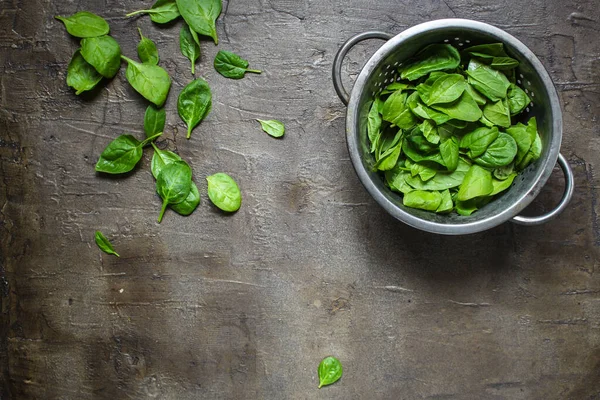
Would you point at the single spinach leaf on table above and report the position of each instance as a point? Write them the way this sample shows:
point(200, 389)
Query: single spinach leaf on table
point(463, 109)
point(224, 192)
point(201, 15)
point(81, 76)
point(517, 99)
point(154, 120)
point(230, 65)
point(104, 244)
point(188, 46)
point(151, 81)
point(449, 153)
point(85, 25)
point(497, 113)
point(421, 199)
point(173, 184)
point(272, 127)
point(103, 53)
point(330, 371)
point(435, 57)
point(477, 183)
point(122, 154)
point(194, 103)
point(499, 153)
point(395, 110)
point(478, 140)
point(161, 12)
point(446, 89)
point(147, 50)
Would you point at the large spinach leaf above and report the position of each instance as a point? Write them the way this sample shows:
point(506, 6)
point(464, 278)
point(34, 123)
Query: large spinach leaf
point(161, 12)
point(151, 81)
point(500, 152)
point(435, 57)
point(85, 25)
point(81, 76)
point(102, 53)
point(477, 183)
point(194, 103)
point(201, 15)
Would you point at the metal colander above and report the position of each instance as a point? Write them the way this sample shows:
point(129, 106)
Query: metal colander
point(382, 69)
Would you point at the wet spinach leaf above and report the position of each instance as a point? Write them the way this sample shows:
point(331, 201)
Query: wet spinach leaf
point(272, 127)
point(81, 76)
point(147, 50)
point(224, 192)
point(85, 25)
point(435, 57)
point(154, 120)
point(188, 46)
point(103, 53)
point(201, 15)
point(230, 65)
point(151, 81)
point(161, 12)
point(330, 371)
point(173, 184)
point(194, 103)
point(104, 244)
point(477, 183)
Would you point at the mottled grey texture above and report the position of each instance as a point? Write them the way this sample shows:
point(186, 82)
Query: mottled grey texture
point(245, 306)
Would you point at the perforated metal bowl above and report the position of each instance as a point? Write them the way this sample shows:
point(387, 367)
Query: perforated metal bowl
point(382, 69)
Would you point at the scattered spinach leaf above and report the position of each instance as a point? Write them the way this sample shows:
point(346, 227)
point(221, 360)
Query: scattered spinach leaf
point(122, 154)
point(224, 192)
point(154, 120)
point(330, 371)
point(102, 53)
point(160, 158)
point(230, 65)
point(201, 15)
point(147, 50)
point(272, 127)
point(151, 81)
point(173, 184)
point(85, 25)
point(188, 46)
point(194, 103)
point(187, 206)
point(81, 76)
point(104, 244)
point(161, 12)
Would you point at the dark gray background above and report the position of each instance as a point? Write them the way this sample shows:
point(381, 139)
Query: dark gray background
point(245, 306)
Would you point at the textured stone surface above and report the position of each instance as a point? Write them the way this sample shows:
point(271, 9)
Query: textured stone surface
point(245, 306)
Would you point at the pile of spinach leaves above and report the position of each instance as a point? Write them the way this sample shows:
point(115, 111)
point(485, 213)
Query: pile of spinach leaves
point(445, 134)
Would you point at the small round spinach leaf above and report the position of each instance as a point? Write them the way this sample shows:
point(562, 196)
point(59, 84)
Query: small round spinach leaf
point(224, 192)
point(330, 371)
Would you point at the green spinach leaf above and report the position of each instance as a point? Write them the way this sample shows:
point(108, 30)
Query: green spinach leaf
point(421, 199)
point(449, 153)
point(173, 184)
point(187, 206)
point(463, 109)
point(478, 140)
point(418, 108)
point(154, 120)
point(85, 25)
point(395, 110)
point(102, 53)
point(161, 12)
point(201, 15)
point(374, 121)
point(501, 185)
point(81, 76)
point(189, 47)
point(446, 205)
point(477, 183)
point(497, 113)
point(147, 50)
point(122, 154)
point(230, 65)
point(522, 138)
point(151, 81)
point(435, 57)
point(388, 161)
point(502, 173)
point(224, 192)
point(517, 99)
point(160, 159)
point(500, 152)
point(330, 371)
point(194, 103)
point(430, 131)
point(446, 89)
point(104, 244)
point(272, 127)
point(442, 180)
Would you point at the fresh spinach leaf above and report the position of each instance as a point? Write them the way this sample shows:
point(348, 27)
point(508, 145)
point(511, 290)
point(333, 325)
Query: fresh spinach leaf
point(477, 183)
point(272, 127)
point(104, 244)
point(421, 144)
point(430, 131)
point(392, 87)
point(501, 185)
point(187, 206)
point(85, 25)
point(374, 121)
point(389, 160)
point(173, 184)
point(330, 371)
point(151, 81)
point(464, 109)
point(147, 50)
point(419, 109)
point(523, 139)
point(160, 159)
point(81, 76)
point(422, 199)
point(446, 205)
point(497, 113)
point(122, 154)
point(489, 82)
point(502, 173)
point(435, 57)
point(466, 208)
point(446, 89)
point(500, 152)
point(194, 103)
point(161, 12)
point(201, 15)
point(230, 65)
point(479, 99)
point(490, 50)
point(517, 99)
point(395, 110)
point(424, 92)
point(425, 172)
point(396, 180)
point(154, 120)
point(224, 192)
point(534, 152)
point(442, 180)
point(412, 153)
point(189, 47)
point(449, 153)
point(478, 140)
point(102, 53)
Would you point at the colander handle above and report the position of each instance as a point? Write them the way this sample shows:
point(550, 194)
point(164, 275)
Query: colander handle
point(569, 186)
point(341, 54)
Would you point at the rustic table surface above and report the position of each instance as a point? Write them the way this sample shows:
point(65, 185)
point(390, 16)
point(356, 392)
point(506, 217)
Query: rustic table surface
point(245, 306)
